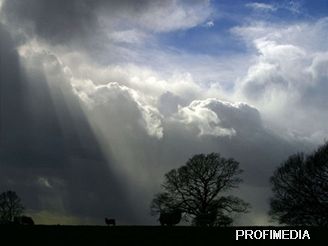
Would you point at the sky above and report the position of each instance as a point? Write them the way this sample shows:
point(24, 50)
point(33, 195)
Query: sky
point(99, 99)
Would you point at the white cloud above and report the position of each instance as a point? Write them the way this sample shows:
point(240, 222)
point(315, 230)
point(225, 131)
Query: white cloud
point(206, 120)
point(132, 36)
point(288, 78)
point(209, 24)
point(318, 68)
point(294, 7)
point(112, 94)
point(44, 182)
point(155, 16)
point(261, 6)
point(176, 15)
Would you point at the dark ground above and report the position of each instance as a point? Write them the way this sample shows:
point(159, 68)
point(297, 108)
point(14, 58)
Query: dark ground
point(140, 235)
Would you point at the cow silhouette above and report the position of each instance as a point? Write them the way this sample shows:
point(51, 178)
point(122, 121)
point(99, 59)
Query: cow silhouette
point(110, 222)
point(23, 220)
point(170, 218)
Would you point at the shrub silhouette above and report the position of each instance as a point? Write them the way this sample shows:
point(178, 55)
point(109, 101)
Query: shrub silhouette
point(23, 220)
point(170, 218)
point(110, 221)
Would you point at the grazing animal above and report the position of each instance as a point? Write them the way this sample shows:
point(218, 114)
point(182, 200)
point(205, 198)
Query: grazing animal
point(23, 220)
point(110, 222)
point(170, 218)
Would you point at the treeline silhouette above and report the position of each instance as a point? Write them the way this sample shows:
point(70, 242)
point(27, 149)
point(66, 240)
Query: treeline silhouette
point(198, 193)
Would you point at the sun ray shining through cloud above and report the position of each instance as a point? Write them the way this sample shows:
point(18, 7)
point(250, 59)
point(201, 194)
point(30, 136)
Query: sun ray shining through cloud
point(102, 98)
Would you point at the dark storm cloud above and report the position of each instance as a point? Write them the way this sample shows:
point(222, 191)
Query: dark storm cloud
point(57, 21)
point(63, 21)
point(48, 153)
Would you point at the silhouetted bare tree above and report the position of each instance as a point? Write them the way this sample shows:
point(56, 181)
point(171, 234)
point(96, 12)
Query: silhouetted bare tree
point(10, 206)
point(196, 189)
point(300, 189)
